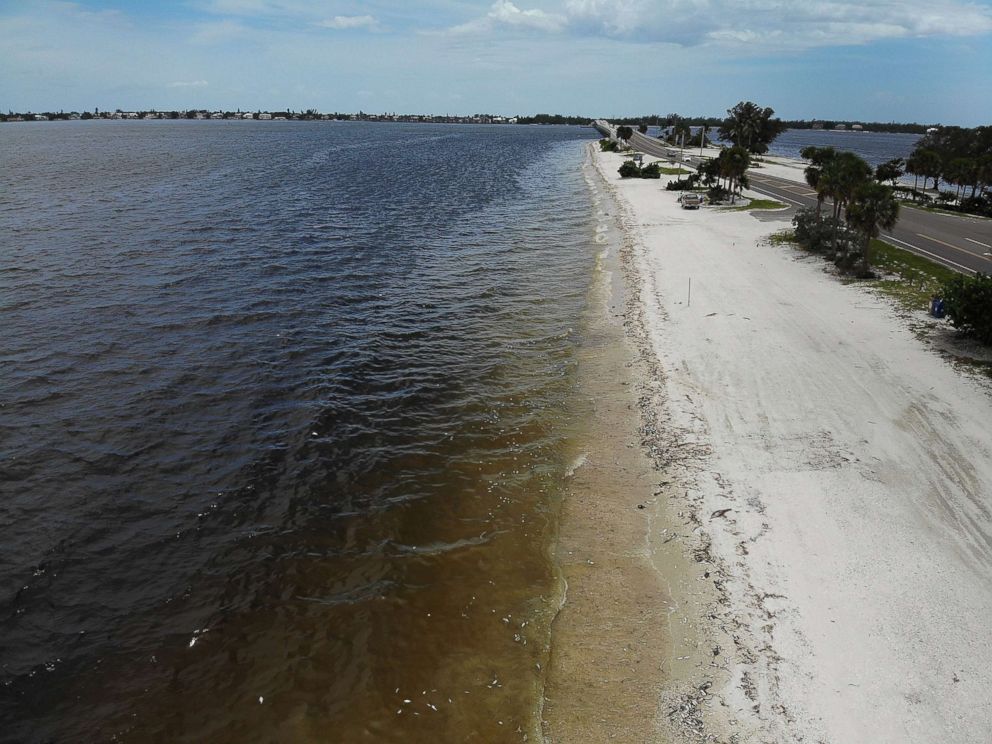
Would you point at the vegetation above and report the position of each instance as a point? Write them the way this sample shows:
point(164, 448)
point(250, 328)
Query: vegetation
point(960, 157)
point(608, 145)
point(651, 170)
point(713, 122)
point(553, 119)
point(912, 279)
point(890, 171)
point(968, 302)
point(751, 127)
point(872, 206)
point(727, 172)
point(757, 204)
point(624, 133)
point(683, 184)
point(866, 206)
point(630, 169)
point(818, 157)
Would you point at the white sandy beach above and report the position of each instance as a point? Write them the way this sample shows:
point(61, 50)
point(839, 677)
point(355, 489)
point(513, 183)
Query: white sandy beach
point(850, 469)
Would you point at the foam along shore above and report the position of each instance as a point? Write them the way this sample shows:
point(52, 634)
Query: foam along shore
point(833, 484)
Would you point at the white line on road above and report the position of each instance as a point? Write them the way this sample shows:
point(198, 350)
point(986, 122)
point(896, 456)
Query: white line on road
point(777, 196)
point(978, 242)
point(939, 259)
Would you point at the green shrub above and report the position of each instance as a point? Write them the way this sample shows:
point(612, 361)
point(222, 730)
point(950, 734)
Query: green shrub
point(651, 170)
point(717, 194)
point(683, 184)
point(629, 169)
point(968, 302)
point(977, 205)
point(607, 145)
point(827, 236)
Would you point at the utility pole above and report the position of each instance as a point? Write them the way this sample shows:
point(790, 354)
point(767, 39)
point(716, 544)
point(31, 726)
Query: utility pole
point(681, 153)
point(702, 139)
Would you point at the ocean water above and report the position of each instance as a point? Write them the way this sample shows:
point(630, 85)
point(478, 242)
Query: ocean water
point(283, 410)
point(874, 147)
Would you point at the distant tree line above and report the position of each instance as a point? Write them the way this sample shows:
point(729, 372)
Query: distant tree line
point(711, 122)
point(289, 114)
point(554, 119)
point(961, 158)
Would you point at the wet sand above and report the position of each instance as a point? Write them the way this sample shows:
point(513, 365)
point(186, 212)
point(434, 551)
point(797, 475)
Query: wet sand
point(625, 644)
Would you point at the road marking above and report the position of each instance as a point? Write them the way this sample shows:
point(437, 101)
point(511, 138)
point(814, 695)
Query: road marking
point(778, 196)
point(978, 242)
point(954, 247)
point(939, 259)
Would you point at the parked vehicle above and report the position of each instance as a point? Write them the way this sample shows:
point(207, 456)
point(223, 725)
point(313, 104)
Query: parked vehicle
point(690, 200)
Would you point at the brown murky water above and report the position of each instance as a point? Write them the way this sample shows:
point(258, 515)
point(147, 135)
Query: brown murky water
point(284, 429)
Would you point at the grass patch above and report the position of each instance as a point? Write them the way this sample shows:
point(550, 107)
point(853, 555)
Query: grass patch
point(916, 278)
point(783, 237)
point(674, 171)
point(757, 204)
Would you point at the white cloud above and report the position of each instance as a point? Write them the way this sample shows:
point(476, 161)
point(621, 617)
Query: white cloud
point(761, 24)
point(188, 84)
point(504, 14)
point(349, 22)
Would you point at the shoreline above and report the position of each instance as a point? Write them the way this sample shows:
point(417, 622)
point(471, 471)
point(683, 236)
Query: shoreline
point(628, 641)
point(827, 475)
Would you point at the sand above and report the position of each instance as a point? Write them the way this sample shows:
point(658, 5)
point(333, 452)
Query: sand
point(827, 476)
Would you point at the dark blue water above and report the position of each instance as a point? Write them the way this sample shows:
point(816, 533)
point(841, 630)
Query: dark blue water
point(281, 415)
point(874, 147)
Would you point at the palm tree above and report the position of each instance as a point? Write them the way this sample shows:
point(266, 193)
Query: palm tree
point(890, 170)
point(928, 164)
point(734, 162)
point(913, 166)
point(839, 178)
point(818, 157)
point(751, 127)
point(872, 207)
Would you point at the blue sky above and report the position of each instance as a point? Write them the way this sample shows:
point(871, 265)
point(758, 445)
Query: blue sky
point(875, 60)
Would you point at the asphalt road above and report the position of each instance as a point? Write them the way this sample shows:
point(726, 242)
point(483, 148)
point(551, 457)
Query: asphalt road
point(960, 242)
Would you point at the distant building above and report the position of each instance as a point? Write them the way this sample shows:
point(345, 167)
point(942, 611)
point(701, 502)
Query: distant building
point(265, 117)
point(857, 128)
point(816, 125)
point(40, 117)
point(840, 127)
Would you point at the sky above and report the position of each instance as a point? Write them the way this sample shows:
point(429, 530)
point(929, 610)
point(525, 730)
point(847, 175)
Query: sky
point(927, 61)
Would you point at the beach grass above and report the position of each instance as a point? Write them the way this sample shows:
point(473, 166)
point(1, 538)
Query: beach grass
point(783, 237)
point(911, 279)
point(757, 204)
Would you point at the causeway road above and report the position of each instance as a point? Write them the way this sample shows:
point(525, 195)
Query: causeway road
point(960, 242)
